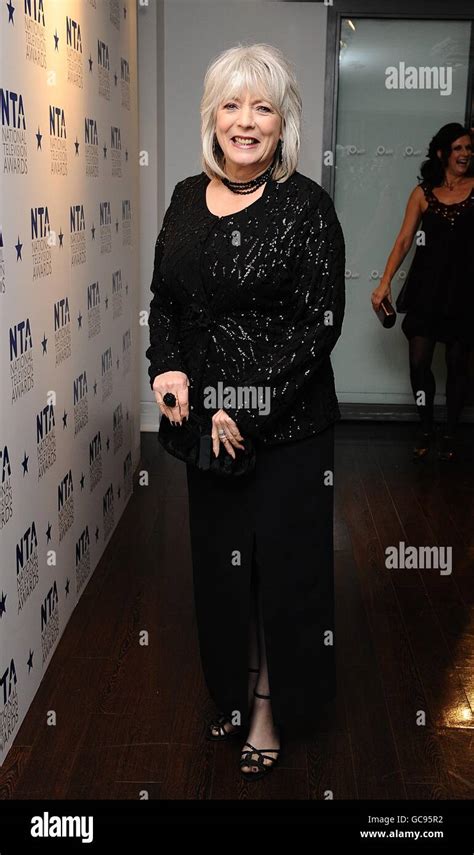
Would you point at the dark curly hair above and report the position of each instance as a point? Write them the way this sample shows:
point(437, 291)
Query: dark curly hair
point(432, 169)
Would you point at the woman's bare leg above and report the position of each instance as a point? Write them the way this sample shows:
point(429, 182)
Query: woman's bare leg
point(263, 732)
point(254, 649)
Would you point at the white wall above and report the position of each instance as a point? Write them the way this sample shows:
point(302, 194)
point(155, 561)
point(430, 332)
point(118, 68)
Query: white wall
point(152, 171)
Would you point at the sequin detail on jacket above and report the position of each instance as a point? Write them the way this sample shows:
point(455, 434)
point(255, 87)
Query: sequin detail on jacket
point(252, 300)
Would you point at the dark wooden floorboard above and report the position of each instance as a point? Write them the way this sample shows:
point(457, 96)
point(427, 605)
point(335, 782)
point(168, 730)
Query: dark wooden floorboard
point(126, 686)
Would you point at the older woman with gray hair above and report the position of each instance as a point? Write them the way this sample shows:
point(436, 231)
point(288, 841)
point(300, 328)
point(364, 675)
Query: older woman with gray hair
point(248, 303)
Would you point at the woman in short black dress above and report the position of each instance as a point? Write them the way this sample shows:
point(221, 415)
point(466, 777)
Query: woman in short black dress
point(438, 294)
point(249, 293)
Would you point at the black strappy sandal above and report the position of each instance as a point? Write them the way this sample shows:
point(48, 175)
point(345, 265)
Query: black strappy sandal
point(247, 757)
point(220, 722)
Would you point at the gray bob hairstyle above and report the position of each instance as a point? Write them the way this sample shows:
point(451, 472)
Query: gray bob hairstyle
point(263, 70)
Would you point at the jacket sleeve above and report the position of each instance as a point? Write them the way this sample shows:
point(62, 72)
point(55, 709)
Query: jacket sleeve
point(163, 351)
point(317, 323)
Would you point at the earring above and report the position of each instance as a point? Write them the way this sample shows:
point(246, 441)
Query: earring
point(280, 150)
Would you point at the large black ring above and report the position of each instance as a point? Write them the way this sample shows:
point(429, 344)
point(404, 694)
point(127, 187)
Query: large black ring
point(169, 399)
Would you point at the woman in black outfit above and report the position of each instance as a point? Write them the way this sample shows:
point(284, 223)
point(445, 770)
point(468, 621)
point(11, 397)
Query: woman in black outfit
point(248, 292)
point(438, 294)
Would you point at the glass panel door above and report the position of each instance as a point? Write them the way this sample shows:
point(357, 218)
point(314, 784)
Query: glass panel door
point(399, 82)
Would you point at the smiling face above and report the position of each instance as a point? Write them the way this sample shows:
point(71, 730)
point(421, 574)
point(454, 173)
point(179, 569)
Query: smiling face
point(248, 129)
point(459, 159)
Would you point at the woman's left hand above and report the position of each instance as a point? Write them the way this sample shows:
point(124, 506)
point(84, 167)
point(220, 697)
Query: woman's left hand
point(382, 290)
point(222, 423)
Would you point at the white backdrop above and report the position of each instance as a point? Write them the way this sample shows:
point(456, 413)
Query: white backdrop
point(68, 267)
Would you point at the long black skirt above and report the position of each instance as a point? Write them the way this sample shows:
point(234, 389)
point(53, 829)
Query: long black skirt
point(277, 522)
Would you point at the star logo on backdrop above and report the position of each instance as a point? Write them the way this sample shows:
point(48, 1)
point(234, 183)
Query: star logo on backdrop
point(11, 10)
point(95, 388)
point(30, 661)
point(39, 137)
point(97, 534)
point(24, 463)
point(106, 303)
point(79, 321)
point(115, 78)
point(118, 491)
point(48, 533)
point(118, 363)
point(66, 587)
point(44, 343)
point(116, 225)
point(81, 482)
point(2, 603)
point(61, 238)
point(77, 146)
point(105, 151)
point(93, 232)
point(90, 62)
point(64, 420)
point(56, 40)
point(18, 247)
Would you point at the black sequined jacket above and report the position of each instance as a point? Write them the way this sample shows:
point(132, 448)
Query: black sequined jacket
point(250, 306)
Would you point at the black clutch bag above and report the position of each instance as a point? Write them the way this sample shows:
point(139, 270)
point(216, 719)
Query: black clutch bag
point(191, 442)
point(386, 313)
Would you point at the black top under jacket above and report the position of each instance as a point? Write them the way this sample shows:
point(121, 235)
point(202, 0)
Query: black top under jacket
point(250, 306)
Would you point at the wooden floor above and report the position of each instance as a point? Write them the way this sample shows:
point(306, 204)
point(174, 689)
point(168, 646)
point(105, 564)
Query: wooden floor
point(130, 715)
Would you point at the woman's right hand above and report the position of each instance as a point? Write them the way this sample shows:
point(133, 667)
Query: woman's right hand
point(177, 383)
point(382, 290)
